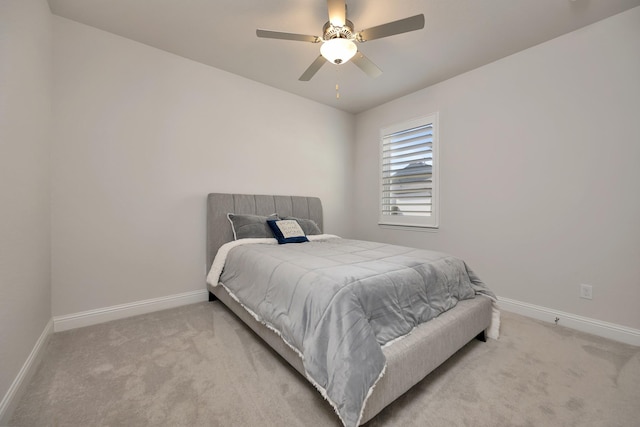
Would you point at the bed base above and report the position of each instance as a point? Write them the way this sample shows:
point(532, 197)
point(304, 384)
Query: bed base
point(428, 346)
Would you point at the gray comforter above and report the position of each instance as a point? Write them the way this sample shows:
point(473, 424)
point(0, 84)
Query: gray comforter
point(337, 301)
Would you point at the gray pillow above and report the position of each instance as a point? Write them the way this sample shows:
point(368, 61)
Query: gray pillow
point(309, 226)
point(250, 226)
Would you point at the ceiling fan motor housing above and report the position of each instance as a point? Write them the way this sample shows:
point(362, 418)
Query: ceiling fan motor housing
point(332, 32)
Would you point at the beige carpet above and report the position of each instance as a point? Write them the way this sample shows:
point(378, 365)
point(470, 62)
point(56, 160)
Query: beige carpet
point(199, 366)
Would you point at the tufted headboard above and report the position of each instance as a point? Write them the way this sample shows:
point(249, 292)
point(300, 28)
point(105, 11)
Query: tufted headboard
point(220, 204)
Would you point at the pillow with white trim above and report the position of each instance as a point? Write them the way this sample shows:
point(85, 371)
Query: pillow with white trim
point(250, 226)
point(309, 226)
point(287, 231)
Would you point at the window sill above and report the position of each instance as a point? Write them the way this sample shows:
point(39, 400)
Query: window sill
point(405, 227)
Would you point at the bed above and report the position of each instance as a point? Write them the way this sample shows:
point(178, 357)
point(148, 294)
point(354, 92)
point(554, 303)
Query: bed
point(407, 360)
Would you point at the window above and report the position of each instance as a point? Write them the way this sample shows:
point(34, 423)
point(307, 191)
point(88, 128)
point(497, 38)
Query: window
point(408, 173)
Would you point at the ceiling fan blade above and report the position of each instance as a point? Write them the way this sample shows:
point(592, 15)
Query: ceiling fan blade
point(287, 36)
point(337, 12)
point(313, 69)
point(392, 28)
point(369, 68)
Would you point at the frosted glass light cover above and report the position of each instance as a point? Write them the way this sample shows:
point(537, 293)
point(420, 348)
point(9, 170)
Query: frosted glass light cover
point(338, 50)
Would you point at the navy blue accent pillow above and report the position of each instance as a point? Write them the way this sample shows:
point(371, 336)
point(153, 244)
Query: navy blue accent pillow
point(287, 231)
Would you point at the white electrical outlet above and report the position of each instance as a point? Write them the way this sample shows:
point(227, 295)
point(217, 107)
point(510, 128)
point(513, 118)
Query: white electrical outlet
point(586, 291)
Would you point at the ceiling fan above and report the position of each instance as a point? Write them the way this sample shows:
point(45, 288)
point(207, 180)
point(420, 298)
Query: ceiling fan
point(339, 39)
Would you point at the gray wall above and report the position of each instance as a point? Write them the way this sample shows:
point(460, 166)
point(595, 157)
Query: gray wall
point(539, 172)
point(141, 136)
point(25, 114)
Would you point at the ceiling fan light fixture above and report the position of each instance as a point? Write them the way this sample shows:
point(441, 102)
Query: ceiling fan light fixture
point(338, 50)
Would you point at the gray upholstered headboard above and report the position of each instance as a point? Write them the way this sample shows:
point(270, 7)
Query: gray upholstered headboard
point(220, 204)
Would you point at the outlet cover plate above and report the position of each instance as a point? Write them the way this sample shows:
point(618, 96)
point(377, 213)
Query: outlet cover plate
point(586, 291)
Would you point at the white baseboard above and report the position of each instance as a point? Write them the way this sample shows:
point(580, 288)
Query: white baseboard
point(584, 324)
point(101, 315)
point(12, 397)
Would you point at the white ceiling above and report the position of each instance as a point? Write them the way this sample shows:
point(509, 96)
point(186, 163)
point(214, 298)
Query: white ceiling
point(459, 35)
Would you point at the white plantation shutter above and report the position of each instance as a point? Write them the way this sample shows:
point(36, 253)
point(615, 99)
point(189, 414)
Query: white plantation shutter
point(408, 179)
